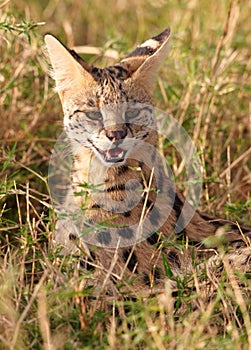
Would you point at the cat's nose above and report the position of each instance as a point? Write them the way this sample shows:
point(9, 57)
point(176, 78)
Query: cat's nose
point(116, 134)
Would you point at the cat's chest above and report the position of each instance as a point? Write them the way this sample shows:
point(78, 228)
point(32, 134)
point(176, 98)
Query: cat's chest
point(113, 201)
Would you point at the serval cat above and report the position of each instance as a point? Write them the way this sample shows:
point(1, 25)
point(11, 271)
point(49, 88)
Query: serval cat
point(130, 214)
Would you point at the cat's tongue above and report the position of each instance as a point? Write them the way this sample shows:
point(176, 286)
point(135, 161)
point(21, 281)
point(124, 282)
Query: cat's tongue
point(115, 155)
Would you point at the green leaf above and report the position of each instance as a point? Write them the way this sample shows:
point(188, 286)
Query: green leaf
point(10, 157)
point(167, 267)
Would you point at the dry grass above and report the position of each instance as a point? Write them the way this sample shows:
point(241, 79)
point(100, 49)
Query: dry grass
point(205, 84)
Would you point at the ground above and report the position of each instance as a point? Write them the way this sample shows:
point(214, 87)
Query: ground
point(205, 85)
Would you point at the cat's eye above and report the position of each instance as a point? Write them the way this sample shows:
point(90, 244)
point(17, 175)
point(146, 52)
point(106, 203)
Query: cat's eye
point(132, 113)
point(93, 115)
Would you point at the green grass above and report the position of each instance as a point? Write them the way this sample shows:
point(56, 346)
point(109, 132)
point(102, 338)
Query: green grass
point(46, 302)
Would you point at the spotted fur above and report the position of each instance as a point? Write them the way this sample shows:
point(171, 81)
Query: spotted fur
point(99, 105)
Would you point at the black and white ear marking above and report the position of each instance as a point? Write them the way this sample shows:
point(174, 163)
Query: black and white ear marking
point(150, 46)
point(144, 62)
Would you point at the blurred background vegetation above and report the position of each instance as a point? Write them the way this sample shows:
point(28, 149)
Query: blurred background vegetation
point(204, 84)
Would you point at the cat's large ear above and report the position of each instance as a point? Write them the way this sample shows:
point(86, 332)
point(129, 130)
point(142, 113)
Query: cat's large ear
point(144, 62)
point(70, 72)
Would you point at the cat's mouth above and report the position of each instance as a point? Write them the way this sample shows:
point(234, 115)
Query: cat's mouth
point(114, 155)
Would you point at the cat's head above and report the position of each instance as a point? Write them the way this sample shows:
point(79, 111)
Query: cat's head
point(109, 111)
